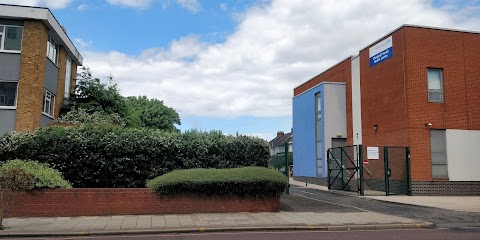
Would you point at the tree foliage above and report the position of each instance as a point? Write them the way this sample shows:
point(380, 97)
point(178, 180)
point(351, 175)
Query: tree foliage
point(150, 113)
point(94, 101)
point(94, 96)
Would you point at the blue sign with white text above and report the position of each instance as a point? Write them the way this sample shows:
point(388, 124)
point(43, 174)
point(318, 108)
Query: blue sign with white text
point(381, 57)
point(381, 51)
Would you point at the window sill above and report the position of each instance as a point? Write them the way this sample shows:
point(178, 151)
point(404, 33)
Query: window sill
point(46, 115)
point(10, 51)
point(8, 108)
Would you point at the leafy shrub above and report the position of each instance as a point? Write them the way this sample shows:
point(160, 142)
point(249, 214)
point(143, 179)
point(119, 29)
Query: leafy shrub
point(81, 116)
point(106, 156)
point(254, 181)
point(27, 175)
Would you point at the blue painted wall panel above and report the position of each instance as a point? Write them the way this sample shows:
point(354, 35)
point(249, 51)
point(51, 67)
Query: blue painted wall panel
point(304, 142)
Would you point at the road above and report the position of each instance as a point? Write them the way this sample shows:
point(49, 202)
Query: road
point(312, 200)
point(416, 234)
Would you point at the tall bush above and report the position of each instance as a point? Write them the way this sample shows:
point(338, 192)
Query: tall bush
point(103, 156)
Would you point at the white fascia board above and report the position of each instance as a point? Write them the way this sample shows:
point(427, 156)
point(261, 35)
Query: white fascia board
point(65, 39)
point(44, 15)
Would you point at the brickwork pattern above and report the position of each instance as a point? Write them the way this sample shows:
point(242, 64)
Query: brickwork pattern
point(32, 74)
point(100, 202)
point(383, 98)
point(62, 65)
point(456, 53)
point(445, 188)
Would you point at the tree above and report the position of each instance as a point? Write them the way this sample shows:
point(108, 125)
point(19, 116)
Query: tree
point(150, 113)
point(94, 96)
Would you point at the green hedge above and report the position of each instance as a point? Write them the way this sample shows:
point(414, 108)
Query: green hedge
point(27, 175)
point(102, 156)
point(254, 181)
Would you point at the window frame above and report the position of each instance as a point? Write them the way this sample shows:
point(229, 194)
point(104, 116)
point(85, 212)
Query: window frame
point(3, 37)
point(68, 77)
point(51, 43)
point(51, 96)
point(443, 132)
point(441, 91)
point(16, 98)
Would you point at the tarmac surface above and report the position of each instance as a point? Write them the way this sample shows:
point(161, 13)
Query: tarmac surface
point(305, 208)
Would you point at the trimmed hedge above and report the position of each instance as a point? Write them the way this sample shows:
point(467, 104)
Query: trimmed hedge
point(106, 156)
point(253, 181)
point(27, 175)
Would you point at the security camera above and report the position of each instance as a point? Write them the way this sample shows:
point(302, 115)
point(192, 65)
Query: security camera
point(428, 124)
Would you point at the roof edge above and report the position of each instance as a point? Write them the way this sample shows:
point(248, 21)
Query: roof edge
point(328, 69)
point(417, 26)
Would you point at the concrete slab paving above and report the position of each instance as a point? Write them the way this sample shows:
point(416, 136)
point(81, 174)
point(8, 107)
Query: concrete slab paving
point(200, 222)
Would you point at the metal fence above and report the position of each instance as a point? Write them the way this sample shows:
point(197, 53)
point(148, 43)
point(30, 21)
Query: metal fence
point(350, 169)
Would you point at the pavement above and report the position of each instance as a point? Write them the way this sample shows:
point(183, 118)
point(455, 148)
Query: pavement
point(208, 222)
point(455, 203)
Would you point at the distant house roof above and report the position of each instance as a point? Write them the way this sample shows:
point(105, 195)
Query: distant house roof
point(281, 139)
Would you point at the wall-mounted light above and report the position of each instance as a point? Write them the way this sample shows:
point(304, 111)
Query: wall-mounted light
point(375, 127)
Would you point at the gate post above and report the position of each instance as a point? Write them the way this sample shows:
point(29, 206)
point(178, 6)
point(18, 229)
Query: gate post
point(342, 168)
point(287, 168)
point(360, 164)
point(409, 179)
point(385, 164)
point(328, 169)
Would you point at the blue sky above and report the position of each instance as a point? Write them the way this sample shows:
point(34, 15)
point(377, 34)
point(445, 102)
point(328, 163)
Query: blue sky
point(231, 65)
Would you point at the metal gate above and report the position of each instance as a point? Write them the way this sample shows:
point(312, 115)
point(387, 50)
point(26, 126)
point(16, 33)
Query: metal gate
point(349, 169)
point(343, 168)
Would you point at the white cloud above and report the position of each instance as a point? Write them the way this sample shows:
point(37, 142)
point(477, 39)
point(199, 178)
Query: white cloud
point(53, 4)
point(82, 43)
point(131, 3)
point(190, 5)
point(82, 7)
point(275, 47)
point(223, 6)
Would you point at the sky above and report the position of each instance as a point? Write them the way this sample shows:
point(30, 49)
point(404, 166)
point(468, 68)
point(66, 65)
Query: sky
point(232, 65)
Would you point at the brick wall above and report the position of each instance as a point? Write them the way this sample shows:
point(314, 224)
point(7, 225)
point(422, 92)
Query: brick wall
point(457, 54)
point(98, 202)
point(62, 64)
point(383, 98)
point(32, 74)
point(395, 92)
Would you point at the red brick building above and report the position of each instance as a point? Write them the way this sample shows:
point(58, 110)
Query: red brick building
point(418, 87)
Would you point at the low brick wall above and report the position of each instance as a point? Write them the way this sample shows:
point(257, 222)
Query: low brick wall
point(126, 201)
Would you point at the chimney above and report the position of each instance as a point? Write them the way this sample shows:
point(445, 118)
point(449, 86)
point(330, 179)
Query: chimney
point(280, 134)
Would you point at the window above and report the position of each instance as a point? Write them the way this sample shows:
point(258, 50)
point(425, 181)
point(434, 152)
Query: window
point(435, 84)
point(68, 77)
point(48, 103)
point(11, 38)
point(8, 94)
point(438, 148)
point(52, 50)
